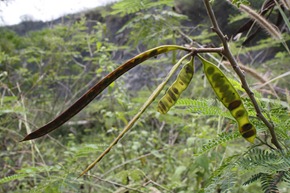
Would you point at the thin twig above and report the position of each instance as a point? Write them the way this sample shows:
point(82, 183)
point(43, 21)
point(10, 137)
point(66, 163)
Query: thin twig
point(116, 184)
point(132, 160)
point(227, 53)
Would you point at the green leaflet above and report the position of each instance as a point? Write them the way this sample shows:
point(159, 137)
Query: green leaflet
point(230, 98)
point(179, 85)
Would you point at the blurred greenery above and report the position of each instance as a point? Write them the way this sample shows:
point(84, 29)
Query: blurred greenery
point(194, 148)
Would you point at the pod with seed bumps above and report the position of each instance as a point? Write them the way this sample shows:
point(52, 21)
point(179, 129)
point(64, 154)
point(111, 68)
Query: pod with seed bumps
point(230, 98)
point(179, 85)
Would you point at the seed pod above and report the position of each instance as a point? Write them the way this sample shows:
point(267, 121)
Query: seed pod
point(179, 85)
point(230, 98)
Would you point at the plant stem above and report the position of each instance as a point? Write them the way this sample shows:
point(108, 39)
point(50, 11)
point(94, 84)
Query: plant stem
point(227, 53)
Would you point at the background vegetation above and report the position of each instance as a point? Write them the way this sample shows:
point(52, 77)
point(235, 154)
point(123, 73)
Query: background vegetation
point(194, 148)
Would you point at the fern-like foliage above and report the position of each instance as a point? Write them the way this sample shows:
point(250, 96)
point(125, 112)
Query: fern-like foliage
point(204, 107)
point(12, 178)
point(286, 177)
point(222, 138)
point(267, 160)
point(269, 183)
point(239, 2)
point(224, 178)
point(253, 178)
point(152, 27)
point(133, 6)
point(227, 163)
point(269, 166)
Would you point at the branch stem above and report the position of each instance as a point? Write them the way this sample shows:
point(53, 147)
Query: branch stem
point(227, 53)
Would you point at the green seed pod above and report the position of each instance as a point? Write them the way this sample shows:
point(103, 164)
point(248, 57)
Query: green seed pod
point(179, 85)
point(230, 98)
